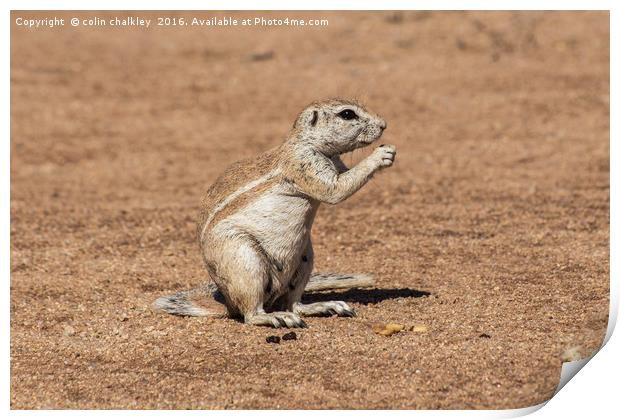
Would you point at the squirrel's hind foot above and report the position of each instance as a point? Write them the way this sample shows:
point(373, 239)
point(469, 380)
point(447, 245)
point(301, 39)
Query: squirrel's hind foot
point(328, 308)
point(276, 320)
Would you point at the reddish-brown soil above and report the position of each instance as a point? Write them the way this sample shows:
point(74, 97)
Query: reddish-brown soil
point(491, 229)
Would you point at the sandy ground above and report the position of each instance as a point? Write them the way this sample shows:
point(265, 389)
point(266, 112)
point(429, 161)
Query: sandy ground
point(491, 230)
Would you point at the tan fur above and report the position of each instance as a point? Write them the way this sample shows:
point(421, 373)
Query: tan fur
point(243, 200)
point(255, 221)
point(232, 179)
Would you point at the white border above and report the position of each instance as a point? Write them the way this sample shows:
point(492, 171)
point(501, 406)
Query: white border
point(594, 392)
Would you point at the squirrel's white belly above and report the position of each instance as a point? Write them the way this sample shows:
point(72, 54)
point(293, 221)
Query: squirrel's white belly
point(280, 222)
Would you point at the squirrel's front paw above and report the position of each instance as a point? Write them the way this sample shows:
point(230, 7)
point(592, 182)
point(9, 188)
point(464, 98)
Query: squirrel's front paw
point(385, 155)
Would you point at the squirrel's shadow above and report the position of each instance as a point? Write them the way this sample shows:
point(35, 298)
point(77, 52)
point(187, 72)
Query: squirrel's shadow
point(363, 296)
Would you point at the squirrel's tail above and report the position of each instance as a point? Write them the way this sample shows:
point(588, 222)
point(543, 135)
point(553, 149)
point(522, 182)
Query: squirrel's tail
point(202, 301)
point(208, 301)
point(331, 281)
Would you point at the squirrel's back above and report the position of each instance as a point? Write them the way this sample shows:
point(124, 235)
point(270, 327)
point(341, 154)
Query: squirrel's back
point(227, 192)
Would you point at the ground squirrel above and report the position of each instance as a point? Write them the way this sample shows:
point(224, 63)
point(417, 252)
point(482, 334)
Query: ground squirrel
point(255, 221)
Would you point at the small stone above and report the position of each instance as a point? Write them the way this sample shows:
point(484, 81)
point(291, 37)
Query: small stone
point(68, 331)
point(387, 330)
point(262, 56)
point(419, 328)
point(273, 339)
point(484, 335)
point(290, 336)
point(124, 318)
point(571, 354)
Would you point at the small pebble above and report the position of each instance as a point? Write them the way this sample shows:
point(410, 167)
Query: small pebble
point(69, 331)
point(262, 56)
point(419, 328)
point(572, 354)
point(387, 329)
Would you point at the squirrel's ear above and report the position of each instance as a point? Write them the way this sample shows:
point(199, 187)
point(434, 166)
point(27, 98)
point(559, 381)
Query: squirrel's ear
point(314, 118)
point(309, 118)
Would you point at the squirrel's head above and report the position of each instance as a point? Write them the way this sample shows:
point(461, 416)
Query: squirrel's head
point(338, 126)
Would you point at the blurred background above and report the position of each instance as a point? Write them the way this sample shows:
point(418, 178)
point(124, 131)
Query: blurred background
point(497, 208)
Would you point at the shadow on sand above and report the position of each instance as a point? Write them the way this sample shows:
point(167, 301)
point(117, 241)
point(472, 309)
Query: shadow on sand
point(363, 296)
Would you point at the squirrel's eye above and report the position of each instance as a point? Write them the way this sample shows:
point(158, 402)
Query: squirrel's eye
point(348, 114)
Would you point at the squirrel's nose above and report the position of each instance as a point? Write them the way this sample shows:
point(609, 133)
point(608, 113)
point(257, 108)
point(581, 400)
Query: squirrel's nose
point(383, 125)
